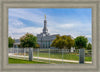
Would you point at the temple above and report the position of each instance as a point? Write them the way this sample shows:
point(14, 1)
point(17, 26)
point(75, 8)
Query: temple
point(44, 39)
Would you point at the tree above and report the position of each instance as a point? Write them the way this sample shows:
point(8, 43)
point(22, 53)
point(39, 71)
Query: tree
point(81, 42)
point(89, 46)
point(63, 42)
point(55, 42)
point(10, 41)
point(28, 40)
point(37, 46)
point(70, 42)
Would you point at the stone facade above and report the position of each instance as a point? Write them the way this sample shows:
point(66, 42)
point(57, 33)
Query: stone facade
point(45, 41)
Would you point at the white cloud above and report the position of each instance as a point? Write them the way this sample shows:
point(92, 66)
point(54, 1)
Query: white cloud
point(67, 25)
point(15, 22)
point(17, 33)
point(89, 36)
point(74, 28)
point(20, 13)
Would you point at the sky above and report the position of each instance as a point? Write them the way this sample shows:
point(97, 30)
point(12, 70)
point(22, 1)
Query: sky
point(63, 21)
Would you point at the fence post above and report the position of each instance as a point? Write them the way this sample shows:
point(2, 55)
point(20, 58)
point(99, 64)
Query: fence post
point(81, 55)
point(13, 50)
point(24, 52)
point(38, 54)
point(8, 52)
point(49, 55)
point(30, 54)
point(17, 51)
point(62, 56)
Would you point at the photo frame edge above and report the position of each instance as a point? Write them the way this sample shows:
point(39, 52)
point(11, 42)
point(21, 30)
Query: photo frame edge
point(43, 71)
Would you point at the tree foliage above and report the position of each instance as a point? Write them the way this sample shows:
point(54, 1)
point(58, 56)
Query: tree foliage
point(37, 46)
point(10, 41)
point(28, 40)
point(81, 42)
point(70, 42)
point(63, 42)
point(89, 46)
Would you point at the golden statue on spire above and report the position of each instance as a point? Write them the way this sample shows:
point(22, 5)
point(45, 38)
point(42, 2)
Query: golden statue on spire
point(45, 16)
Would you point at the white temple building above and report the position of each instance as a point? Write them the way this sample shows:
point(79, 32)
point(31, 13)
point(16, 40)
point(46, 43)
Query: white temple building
point(44, 39)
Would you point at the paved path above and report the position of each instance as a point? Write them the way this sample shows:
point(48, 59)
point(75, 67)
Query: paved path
point(12, 55)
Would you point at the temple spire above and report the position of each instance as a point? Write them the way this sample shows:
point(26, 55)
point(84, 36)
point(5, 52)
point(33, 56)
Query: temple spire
point(45, 30)
point(45, 16)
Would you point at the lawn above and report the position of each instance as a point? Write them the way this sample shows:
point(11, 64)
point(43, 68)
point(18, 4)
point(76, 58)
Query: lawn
point(66, 56)
point(69, 56)
point(20, 61)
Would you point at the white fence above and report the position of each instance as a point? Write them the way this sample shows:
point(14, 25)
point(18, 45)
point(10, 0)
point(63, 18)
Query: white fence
point(57, 56)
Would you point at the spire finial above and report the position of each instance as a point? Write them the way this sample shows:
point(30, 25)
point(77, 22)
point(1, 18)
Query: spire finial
point(45, 16)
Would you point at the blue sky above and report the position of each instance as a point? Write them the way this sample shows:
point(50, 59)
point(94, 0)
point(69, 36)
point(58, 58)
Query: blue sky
point(63, 21)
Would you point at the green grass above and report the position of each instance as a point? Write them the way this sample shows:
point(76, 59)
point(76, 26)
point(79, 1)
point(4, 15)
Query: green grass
point(69, 56)
point(88, 58)
point(20, 61)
